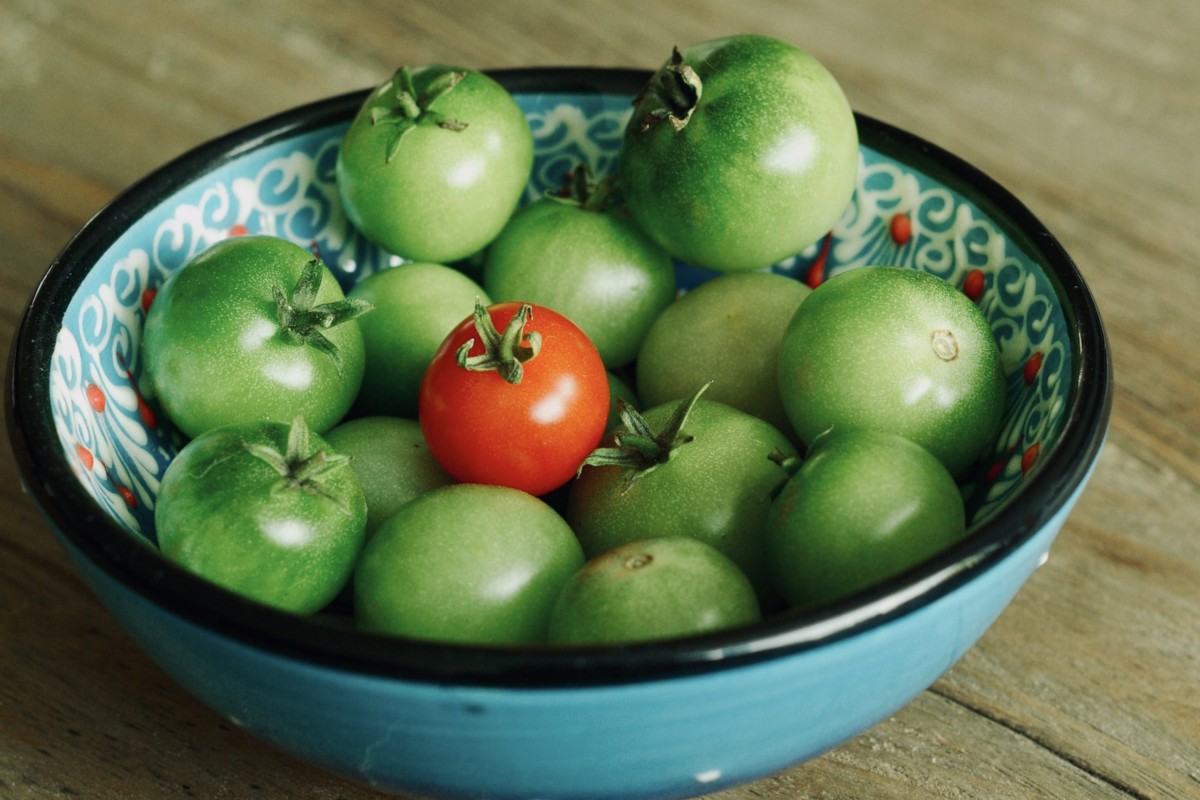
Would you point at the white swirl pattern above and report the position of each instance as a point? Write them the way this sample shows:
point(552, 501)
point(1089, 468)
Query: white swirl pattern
point(120, 447)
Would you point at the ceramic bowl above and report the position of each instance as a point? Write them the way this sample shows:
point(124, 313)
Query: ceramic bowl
point(667, 719)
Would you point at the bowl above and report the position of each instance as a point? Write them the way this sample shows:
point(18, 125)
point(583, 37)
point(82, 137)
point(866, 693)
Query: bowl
point(661, 719)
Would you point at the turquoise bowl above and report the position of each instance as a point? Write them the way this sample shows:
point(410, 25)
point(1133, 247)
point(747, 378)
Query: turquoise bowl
point(662, 720)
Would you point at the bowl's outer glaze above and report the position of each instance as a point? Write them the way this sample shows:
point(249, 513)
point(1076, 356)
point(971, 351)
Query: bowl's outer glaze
point(670, 738)
point(659, 720)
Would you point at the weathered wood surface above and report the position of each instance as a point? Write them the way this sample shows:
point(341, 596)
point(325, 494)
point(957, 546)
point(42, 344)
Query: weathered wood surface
point(1087, 686)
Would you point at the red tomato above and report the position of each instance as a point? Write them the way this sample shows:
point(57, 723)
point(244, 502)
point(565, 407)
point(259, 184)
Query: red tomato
point(517, 395)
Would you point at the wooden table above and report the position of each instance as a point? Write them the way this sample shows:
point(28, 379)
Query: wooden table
point(1087, 686)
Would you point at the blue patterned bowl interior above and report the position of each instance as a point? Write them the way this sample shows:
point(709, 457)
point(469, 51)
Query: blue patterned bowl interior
point(120, 444)
point(92, 446)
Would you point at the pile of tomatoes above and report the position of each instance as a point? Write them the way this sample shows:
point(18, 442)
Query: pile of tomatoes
point(556, 448)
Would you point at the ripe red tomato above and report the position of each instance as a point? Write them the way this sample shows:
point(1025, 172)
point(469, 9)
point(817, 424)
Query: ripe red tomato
point(517, 395)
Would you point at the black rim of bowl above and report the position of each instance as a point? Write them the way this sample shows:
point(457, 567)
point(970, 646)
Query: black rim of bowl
point(80, 520)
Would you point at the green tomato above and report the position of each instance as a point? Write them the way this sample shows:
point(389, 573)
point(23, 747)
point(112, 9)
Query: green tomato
point(712, 482)
point(265, 510)
point(594, 266)
point(863, 507)
point(253, 328)
point(654, 589)
point(726, 330)
point(466, 563)
point(416, 306)
point(741, 152)
point(391, 460)
point(434, 163)
point(898, 350)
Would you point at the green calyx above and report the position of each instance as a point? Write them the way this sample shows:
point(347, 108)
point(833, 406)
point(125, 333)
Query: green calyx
point(587, 191)
point(298, 468)
point(674, 92)
point(640, 449)
point(411, 108)
point(302, 321)
point(505, 353)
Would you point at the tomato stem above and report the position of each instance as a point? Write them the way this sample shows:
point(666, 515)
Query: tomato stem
point(297, 467)
point(302, 321)
point(506, 352)
point(789, 464)
point(638, 447)
point(587, 191)
point(675, 91)
point(412, 108)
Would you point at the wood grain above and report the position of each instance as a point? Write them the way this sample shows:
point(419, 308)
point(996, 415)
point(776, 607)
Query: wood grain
point(1089, 684)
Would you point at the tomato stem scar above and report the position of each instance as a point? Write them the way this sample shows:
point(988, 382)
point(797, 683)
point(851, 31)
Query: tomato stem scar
point(944, 345)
